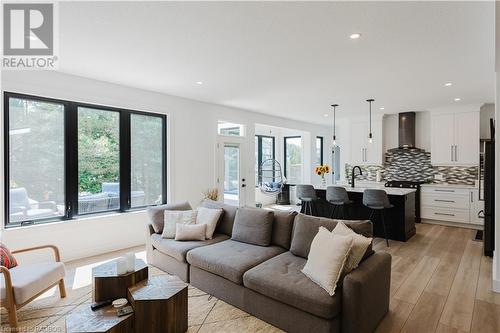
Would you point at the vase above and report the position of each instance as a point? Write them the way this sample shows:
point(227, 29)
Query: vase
point(323, 181)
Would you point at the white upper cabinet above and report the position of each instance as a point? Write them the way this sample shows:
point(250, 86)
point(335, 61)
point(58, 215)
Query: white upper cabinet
point(455, 139)
point(363, 152)
point(467, 138)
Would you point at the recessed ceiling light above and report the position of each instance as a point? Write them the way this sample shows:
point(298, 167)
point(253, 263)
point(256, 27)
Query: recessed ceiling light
point(458, 99)
point(199, 82)
point(355, 35)
point(326, 115)
point(382, 108)
point(448, 84)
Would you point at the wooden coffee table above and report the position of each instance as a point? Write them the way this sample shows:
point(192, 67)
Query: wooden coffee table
point(103, 320)
point(160, 304)
point(108, 285)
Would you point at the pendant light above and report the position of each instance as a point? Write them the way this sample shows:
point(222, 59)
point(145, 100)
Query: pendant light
point(334, 136)
point(370, 135)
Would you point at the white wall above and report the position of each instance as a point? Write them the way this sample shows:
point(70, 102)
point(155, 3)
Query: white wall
point(191, 140)
point(486, 112)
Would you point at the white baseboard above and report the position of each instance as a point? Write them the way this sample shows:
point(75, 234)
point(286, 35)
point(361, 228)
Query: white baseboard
point(496, 276)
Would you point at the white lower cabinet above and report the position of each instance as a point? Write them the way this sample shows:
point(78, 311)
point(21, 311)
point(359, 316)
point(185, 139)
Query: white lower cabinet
point(450, 204)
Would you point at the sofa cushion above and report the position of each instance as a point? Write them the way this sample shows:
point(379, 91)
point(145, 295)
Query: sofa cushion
point(280, 278)
point(190, 232)
point(179, 249)
point(225, 225)
point(282, 228)
point(174, 217)
point(306, 227)
point(31, 279)
point(231, 259)
point(156, 213)
point(253, 226)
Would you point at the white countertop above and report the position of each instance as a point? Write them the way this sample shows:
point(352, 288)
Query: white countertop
point(380, 186)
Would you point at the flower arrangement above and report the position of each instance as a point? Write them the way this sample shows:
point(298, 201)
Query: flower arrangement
point(212, 194)
point(321, 170)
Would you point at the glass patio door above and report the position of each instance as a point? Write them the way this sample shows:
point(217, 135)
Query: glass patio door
point(231, 183)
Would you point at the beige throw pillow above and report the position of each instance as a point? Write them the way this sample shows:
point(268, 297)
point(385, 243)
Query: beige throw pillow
point(190, 232)
point(326, 259)
point(359, 245)
point(174, 217)
point(210, 217)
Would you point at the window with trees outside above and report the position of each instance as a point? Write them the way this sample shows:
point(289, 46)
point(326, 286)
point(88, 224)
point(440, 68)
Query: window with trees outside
point(64, 159)
point(293, 159)
point(264, 150)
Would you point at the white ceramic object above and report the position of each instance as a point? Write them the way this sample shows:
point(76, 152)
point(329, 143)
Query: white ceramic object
point(121, 266)
point(130, 257)
point(119, 303)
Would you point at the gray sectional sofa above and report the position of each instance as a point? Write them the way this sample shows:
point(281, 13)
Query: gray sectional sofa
point(258, 269)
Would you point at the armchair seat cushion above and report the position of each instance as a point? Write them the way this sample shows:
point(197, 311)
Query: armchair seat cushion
point(30, 279)
point(231, 259)
point(281, 278)
point(179, 249)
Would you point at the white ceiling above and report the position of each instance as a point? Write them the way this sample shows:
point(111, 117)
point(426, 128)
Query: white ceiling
point(288, 59)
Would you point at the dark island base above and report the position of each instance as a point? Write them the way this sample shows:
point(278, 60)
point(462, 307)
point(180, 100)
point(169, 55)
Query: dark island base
point(400, 220)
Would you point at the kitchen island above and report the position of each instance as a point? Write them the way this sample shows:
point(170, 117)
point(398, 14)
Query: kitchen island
point(400, 219)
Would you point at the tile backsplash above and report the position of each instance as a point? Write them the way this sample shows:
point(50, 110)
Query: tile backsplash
point(415, 165)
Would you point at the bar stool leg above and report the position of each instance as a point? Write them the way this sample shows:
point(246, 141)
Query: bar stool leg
point(342, 211)
point(332, 214)
point(382, 214)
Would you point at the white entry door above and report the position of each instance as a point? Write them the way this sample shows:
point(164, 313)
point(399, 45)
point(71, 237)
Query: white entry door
point(230, 178)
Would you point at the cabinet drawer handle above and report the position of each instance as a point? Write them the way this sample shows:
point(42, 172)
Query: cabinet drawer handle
point(441, 200)
point(438, 190)
point(444, 214)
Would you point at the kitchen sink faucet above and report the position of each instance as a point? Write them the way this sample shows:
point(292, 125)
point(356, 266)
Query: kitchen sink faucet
point(353, 176)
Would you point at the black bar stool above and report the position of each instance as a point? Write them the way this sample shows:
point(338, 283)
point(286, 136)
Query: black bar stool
point(307, 195)
point(378, 202)
point(338, 197)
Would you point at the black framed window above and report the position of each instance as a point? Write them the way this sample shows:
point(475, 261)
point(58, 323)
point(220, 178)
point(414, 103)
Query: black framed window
point(264, 150)
point(64, 159)
point(319, 151)
point(293, 159)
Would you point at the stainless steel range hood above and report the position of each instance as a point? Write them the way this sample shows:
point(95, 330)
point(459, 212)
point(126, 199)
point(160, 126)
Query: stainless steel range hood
point(407, 121)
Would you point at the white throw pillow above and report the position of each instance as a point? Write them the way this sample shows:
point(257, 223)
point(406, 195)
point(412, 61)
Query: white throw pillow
point(210, 217)
point(173, 217)
point(326, 259)
point(359, 245)
point(190, 232)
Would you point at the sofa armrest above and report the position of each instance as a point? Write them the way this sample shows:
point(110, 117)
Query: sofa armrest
point(366, 293)
point(149, 246)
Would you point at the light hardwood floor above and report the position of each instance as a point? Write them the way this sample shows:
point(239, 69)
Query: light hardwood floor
point(441, 282)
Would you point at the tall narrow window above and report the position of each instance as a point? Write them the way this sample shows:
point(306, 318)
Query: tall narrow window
point(319, 151)
point(146, 160)
point(35, 160)
point(293, 159)
point(98, 160)
point(264, 150)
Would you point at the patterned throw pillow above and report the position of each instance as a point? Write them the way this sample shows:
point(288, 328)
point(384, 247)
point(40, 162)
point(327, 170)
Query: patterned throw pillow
point(6, 258)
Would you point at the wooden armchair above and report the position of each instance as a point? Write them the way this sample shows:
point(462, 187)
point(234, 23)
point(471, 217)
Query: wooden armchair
point(24, 283)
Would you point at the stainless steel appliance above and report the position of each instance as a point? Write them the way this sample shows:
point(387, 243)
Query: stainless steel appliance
point(409, 184)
